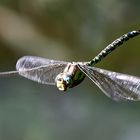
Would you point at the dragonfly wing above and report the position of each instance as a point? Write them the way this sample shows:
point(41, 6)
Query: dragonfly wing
point(40, 69)
point(115, 85)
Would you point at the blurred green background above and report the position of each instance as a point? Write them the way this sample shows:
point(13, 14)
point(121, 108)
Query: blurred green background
point(72, 30)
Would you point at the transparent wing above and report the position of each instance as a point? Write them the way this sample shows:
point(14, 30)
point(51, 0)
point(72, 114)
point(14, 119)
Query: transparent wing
point(115, 85)
point(40, 69)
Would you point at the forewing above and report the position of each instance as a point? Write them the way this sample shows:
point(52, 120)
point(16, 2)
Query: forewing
point(115, 85)
point(40, 69)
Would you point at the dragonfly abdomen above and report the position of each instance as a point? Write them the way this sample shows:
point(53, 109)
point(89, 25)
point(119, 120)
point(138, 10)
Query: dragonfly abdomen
point(115, 44)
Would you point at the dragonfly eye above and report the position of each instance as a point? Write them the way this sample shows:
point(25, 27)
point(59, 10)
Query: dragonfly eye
point(60, 79)
point(67, 79)
point(60, 82)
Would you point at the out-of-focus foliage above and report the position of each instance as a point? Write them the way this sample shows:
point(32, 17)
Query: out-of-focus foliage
point(71, 30)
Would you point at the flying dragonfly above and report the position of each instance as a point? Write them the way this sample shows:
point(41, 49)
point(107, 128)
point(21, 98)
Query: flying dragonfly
point(67, 75)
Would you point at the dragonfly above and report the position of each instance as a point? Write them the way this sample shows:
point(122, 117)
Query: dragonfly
point(67, 75)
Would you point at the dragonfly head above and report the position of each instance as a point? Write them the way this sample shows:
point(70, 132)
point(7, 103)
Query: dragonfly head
point(63, 81)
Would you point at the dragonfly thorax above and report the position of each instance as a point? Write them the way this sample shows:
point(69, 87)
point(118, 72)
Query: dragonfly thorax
point(70, 77)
